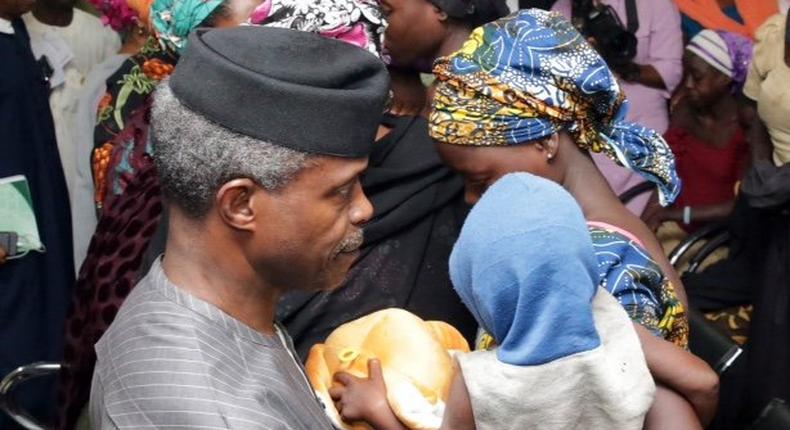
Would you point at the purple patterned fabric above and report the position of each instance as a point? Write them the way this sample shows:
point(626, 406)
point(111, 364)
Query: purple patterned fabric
point(740, 49)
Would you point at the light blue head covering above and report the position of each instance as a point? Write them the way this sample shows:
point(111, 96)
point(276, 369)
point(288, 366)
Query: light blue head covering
point(525, 267)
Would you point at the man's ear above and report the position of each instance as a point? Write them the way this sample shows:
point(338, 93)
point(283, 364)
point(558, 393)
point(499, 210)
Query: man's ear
point(235, 202)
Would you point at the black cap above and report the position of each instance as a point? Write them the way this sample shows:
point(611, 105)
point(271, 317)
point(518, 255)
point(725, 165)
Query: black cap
point(290, 88)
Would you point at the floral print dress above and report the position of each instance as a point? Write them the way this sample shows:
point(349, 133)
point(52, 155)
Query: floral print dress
point(121, 135)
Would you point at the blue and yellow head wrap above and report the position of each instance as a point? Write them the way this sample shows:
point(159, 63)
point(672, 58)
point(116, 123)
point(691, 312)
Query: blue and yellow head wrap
point(527, 76)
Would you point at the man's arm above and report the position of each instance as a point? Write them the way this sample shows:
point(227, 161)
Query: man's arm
point(663, 68)
point(98, 416)
point(760, 145)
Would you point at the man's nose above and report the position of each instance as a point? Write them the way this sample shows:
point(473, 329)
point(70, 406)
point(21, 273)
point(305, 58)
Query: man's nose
point(362, 209)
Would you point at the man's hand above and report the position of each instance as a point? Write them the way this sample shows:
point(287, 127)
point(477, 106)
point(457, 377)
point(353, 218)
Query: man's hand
point(3, 255)
point(364, 399)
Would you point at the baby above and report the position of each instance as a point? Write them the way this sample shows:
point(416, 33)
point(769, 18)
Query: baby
point(567, 355)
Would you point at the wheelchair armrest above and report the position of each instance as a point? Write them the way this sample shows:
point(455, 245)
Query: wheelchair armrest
point(14, 379)
point(702, 233)
point(713, 244)
point(707, 343)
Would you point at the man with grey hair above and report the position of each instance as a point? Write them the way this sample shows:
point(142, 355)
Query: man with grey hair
point(259, 136)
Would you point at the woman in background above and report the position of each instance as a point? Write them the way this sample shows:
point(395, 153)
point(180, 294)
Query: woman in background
point(131, 21)
point(420, 31)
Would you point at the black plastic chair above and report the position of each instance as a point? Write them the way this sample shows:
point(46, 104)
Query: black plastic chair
point(775, 416)
point(715, 242)
point(709, 344)
point(705, 340)
point(636, 190)
point(14, 379)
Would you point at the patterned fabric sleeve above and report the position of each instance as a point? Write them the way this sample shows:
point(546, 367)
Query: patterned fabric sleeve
point(637, 282)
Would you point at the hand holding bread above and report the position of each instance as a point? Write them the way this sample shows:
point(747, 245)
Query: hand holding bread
point(414, 358)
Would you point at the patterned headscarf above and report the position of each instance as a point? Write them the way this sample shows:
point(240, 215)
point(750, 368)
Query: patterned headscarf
point(173, 20)
point(728, 53)
point(123, 15)
point(359, 22)
point(527, 76)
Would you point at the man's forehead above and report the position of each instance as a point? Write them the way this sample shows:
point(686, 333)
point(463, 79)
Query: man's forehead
point(337, 169)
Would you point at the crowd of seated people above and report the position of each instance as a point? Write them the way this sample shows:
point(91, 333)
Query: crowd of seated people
point(249, 180)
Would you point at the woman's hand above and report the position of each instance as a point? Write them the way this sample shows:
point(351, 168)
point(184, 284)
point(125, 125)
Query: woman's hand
point(654, 214)
point(656, 218)
point(682, 372)
point(364, 399)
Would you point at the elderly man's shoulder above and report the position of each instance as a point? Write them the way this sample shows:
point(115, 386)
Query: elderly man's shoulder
point(150, 367)
point(149, 325)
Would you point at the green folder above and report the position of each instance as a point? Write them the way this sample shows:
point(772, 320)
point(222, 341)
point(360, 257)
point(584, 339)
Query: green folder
point(17, 214)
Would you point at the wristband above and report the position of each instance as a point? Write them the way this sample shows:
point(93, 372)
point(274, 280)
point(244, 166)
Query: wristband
point(687, 215)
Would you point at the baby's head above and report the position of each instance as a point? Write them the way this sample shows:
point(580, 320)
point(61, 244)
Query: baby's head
point(524, 265)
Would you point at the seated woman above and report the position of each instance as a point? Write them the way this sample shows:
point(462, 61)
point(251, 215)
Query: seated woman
point(528, 93)
point(705, 134)
point(567, 354)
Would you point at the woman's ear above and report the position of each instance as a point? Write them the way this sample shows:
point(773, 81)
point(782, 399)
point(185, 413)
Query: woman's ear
point(726, 82)
point(440, 14)
point(236, 203)
point(550, 147)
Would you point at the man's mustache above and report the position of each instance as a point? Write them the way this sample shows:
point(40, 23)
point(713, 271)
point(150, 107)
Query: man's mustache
point(350, 243)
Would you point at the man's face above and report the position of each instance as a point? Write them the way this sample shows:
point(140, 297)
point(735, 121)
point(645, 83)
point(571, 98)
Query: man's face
point(310, 231)
point(15, 8)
